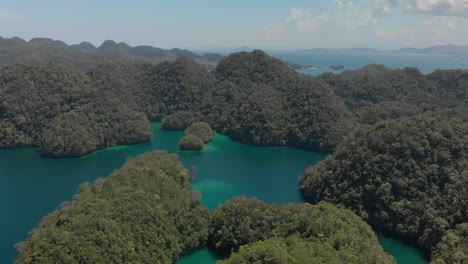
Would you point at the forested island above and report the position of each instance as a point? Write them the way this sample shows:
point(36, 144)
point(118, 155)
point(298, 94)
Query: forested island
point(145, 213)
point(297, 66)
point(46, 50)
point(336, 67)
point(249, 96)
point(407, 176)
point(196, 136)
point(398, 140)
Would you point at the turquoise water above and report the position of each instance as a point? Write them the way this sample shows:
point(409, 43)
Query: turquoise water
point(426, 63)
point(31, 187)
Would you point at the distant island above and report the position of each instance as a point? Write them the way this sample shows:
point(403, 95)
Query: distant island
point(336, 67)
point(17, 50)
point(439, 50)
point(348, 50)
point(297, 66)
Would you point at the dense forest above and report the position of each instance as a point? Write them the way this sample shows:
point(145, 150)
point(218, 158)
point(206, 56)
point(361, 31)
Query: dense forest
point(196, 136)
point(408, 176)
point(61, 110)
point(146, 213)
point(16, 50)
point(324, 228)
point(141, 213)
point(376, 93)
point(265, 103)
point(398, 137)
point(249, 96)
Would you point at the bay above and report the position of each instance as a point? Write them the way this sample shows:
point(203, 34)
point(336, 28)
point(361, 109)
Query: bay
point(426, 63)
point(31, 187)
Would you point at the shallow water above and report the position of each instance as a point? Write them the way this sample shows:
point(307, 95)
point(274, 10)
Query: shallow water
point(31, 187)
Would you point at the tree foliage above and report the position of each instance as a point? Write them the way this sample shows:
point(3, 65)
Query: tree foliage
point(180, 120)
point(323, 227)
point(376, 93)
point(16, 50)
point(202, 130)
point(294, 250)
point(408, 176)
point(249, 96)
point(453, 248)
point(142, 213)
point(191, 142)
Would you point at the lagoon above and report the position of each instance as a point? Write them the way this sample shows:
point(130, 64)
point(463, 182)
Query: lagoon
point(31, 186)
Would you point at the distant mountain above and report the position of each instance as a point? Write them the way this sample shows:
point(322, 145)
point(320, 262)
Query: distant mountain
point(443, 50)
point(367, 50)
point(16, 50)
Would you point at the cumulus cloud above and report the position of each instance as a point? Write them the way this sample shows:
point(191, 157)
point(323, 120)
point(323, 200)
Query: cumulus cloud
point(375, 23)
point(344, 15)
point(433, 30)
point(296, 13)
point(9, 15)
point(439, 7)
point(456, 8)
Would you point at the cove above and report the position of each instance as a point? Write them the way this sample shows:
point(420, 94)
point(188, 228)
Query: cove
point(31, 187)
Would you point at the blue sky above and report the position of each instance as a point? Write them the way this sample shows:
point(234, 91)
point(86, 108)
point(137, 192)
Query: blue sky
point(381, 24)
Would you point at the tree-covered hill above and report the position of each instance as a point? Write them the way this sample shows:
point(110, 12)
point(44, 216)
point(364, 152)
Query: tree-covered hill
point(16, 50)
point(141, 213)
point(59, 109)
point(375, 92)
point(267, 103)
point(291, 231)
point(145, 212)
point(408, 176)
point(249, 96)
point(453, 248)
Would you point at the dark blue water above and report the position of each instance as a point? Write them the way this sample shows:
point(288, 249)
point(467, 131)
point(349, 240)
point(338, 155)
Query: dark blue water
point(426, 63)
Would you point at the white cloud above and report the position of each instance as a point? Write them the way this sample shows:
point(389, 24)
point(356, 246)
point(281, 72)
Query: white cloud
point(343, 15)
point(432, 30)
point(9, 15)
point(440, 7)
point(311, 24)
point(372, 23)
point(296, 13)
point(456, 8)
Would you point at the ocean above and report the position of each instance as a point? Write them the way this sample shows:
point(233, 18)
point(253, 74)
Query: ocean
point(426, 63)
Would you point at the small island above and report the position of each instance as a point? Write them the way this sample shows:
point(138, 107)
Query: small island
point(297, 66)
point(336, 67)
point(196, 135)
point(191, 143)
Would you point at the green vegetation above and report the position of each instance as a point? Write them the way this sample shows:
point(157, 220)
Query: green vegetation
point(196, 135)
point(16, 50)
point(323, 228)
point(453, 248)
point(142, 213)
point(191, 142)
point(202, 130)
point(408, 176)
point(249, 96)
point(398, 137)
point(180, 120)
point(145, 212)
point(376, 93)
point(59, 109)
point(294, 250)
point(262, 101)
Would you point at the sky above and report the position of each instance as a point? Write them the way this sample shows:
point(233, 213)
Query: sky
point(275, 24)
